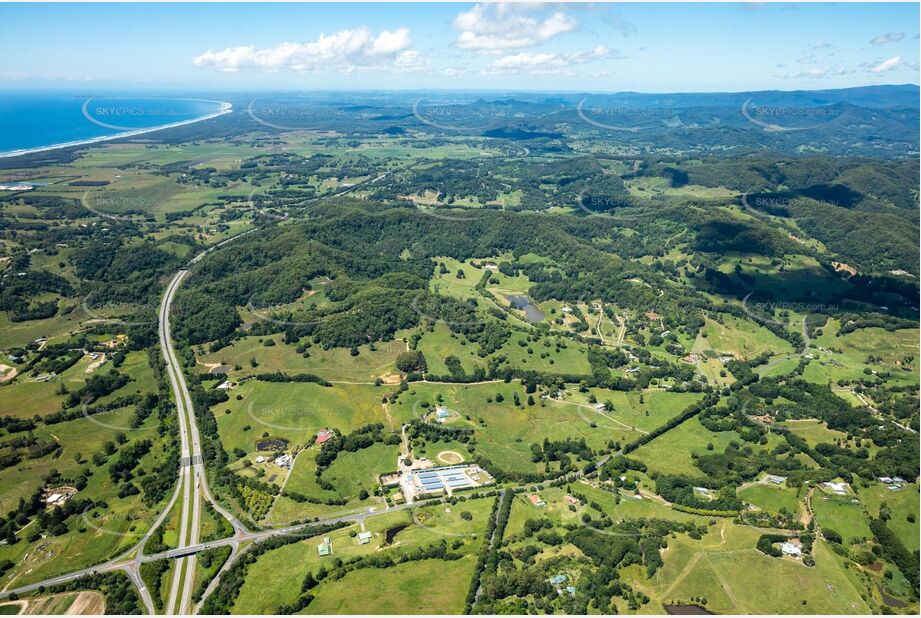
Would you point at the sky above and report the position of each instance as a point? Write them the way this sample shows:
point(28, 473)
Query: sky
point(642, 47)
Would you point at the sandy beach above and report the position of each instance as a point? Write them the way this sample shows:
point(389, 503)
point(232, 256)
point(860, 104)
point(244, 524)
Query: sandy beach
point(226, 108)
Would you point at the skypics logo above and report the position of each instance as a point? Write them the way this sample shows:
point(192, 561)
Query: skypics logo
point(280, 117)
point(135, 115)
point(764, 312)
point(786, 119)
point(117, 419)
point(625, 118)
point(456, 116)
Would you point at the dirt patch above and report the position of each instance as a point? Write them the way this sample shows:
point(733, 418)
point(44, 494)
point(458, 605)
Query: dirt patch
point(96, 364)
point(450, 457)
point(391, 378)
point(7, 373)
point(87, 603)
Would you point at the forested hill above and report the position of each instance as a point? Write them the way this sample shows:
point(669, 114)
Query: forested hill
point(376, 262)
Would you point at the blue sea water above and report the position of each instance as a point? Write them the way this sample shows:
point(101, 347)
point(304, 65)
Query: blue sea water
point(34, 120)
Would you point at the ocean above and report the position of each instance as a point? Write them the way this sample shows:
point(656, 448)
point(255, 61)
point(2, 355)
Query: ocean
point(38, 120)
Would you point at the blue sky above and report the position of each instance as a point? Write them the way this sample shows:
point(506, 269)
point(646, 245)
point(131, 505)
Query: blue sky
point(641, 47)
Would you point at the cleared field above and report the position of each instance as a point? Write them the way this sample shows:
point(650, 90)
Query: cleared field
point(671, 452)
point(14, 334)
point(726, 569)
point(504, 431)
point(263, 591)
point(843, 514)
point(334, 364)
point(644, 410)
point(770, 497)
point(81, 603)
point(440, 344)
point(414, 587)
point(901, 505)
point(296, 411)
point(814, 432)
point(743, 338)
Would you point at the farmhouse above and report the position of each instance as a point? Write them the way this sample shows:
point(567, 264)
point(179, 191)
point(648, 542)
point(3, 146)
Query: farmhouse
point(58, 496)
point(777, 480)
point(791, 549)
point(364, 538)
point(838, 488)
point(537, 501)
point(284, 461)
point(323, 435)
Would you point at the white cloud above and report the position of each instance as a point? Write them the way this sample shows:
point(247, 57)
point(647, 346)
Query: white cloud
point(409, 60)
point(817, 73)
point(532, 63)
point(497, 27)
point(889, 37)
point(13, 76)
point(345, 50)
point(884, 66)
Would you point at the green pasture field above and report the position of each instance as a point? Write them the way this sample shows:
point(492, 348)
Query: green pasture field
point(216, 154)
point(15, 334)
point(414, 587)
point(841, 514)
point(509, 431)
point(335, 364)
point(770, 497)
point(352, 472)
point(855, 347)
point(570, 359)
point(814, 431)
point(24, 397)
point(901, 504)
point(440, 343)
point(263, 592)
point(296, 411)
point(670, 453)
point(792, 277)
point(102, 532)
point(743, 338)
point(657, 407)
point(726, 569)
point(648, 187)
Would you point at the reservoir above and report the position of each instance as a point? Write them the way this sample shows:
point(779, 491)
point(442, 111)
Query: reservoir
point(531, 312)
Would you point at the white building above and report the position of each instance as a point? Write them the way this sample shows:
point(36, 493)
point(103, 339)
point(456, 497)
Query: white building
point(838, 488)
point(791, 549)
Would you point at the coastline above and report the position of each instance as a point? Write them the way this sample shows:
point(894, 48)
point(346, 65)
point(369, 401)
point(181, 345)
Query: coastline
point(226, 108)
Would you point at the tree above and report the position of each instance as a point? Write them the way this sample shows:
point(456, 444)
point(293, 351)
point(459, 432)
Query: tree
point(410, 361)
